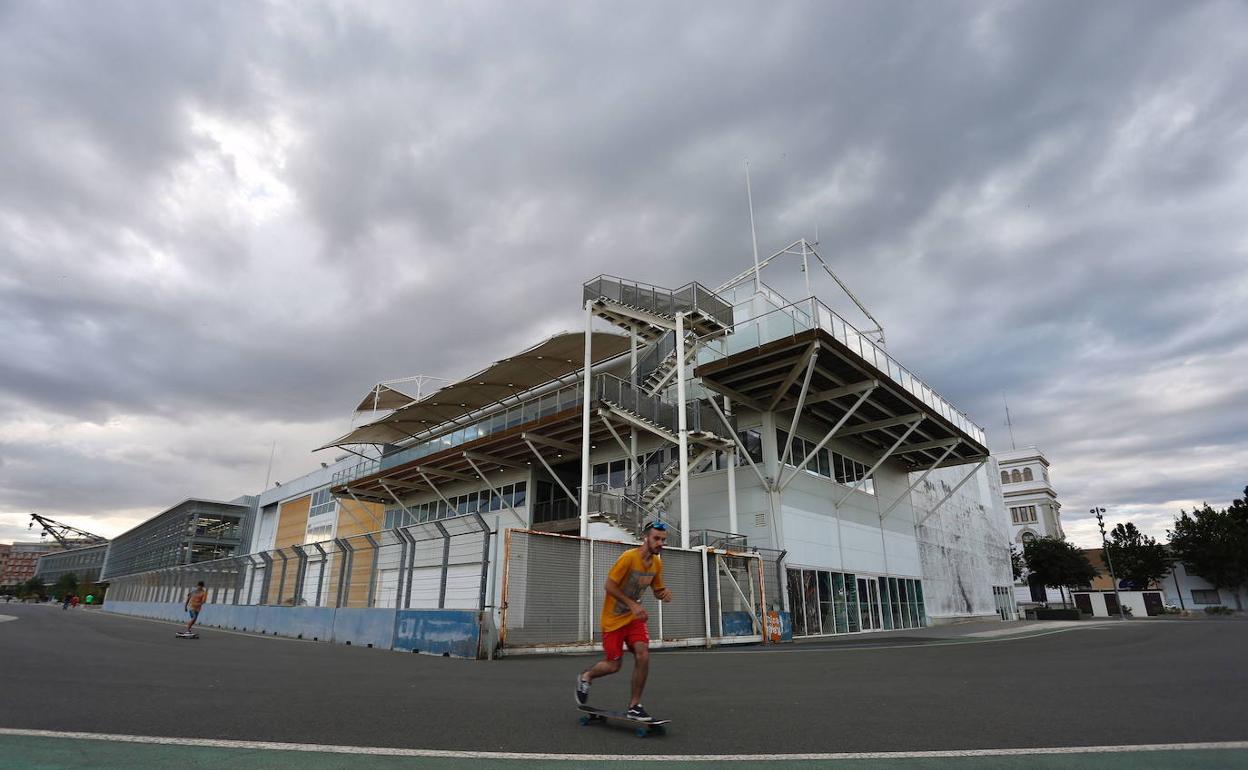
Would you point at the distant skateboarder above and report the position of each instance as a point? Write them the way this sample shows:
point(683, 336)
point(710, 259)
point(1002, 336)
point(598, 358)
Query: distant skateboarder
point(624, 618)
point(194, 603)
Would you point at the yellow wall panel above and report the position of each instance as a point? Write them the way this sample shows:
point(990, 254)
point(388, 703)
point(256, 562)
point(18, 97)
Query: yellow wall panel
point(292, 522)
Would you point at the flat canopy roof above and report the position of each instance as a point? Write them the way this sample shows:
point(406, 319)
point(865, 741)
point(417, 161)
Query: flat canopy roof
point(769, 377)
point(549, 360)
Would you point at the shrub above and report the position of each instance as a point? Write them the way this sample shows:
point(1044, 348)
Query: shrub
point(1219, 610)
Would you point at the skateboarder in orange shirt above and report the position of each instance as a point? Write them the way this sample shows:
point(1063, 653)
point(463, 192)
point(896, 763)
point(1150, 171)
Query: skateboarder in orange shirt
point(194, 604)
point(624, 618)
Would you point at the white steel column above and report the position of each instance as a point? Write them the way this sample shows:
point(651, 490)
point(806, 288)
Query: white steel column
point(585, 398)
point(632, 434)
point(732, 476)
point(684, 431)
point(706, 589)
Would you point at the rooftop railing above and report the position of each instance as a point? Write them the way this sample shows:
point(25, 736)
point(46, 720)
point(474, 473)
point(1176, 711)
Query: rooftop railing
point(797, 317)
point(691, 296)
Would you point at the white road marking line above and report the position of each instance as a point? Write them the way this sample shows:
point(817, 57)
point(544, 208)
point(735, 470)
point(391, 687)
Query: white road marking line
point(447, 754)
point(4, 618)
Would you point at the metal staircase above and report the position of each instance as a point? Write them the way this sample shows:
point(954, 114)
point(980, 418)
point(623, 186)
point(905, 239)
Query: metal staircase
point(656, 491)
point(650, 311)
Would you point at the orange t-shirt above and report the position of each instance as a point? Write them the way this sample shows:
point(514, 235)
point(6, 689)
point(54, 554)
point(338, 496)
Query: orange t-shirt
point(633, 577)
point(197, 598)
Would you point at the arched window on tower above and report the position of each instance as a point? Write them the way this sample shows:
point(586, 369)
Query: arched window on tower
point(1015, 476)
point(1005, 477)
point(1027, 475)
point(1028, 537)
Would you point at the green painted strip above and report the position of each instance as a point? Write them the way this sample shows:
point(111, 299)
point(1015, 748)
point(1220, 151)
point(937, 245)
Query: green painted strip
point(39, 753)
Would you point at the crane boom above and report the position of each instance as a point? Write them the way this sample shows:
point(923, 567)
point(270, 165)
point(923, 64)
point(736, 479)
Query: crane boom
point(70, 537)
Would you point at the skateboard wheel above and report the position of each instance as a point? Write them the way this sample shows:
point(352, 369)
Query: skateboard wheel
point(642, 732)
point(584, 721)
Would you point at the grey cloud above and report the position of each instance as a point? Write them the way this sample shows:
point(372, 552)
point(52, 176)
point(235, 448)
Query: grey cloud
point(1026, 195)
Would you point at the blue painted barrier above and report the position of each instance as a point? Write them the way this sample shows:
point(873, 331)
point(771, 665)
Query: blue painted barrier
point(365, 627)
point(435, 632)
point(738, 624)
point(439, 632)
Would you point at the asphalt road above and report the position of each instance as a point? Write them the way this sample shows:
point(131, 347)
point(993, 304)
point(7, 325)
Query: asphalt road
point(1144, 682)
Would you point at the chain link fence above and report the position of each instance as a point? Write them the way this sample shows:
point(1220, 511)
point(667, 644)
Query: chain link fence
point(553, 594)
point(442, 564)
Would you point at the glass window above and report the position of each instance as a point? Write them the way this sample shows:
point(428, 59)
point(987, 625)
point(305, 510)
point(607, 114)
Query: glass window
point(886, 603)
point(851, 602)
point(518, 498)
point(839, 598)
point(322, 502)
point(873, 588)
point(824, 463)
point(811, 601)
point(753, 442)
point(600, 474)
point(794, 580)
point(616, 474)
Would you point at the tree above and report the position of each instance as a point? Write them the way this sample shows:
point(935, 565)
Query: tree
point(1136, 556)
point(32, 588)
point(1016, 562)
point(1057, 563)
point(66, 584)
point(1214, 544)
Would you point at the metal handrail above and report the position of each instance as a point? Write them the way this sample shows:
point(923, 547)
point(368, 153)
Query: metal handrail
point(692, 296)
point(797, 317)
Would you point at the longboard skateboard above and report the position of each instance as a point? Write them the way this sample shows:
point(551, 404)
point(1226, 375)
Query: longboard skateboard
point(184, 635)
point(643, 727)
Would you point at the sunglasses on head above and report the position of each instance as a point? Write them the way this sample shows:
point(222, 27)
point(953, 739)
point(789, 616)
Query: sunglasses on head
point(660, 526)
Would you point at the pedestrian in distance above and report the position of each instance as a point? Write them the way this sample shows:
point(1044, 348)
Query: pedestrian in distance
point(73, 601)
point(624, 618)
point(65, 602)
point(194, 603)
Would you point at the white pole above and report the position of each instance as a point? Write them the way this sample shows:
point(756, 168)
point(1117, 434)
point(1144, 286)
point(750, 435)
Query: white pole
point(684, 430)
point(806, 270)
point(732, 478)
point(632, 438)
point(706, 595)
point(753, 235)
point(585, 398)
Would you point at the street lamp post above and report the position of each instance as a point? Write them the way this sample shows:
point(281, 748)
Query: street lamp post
point(1099, 513)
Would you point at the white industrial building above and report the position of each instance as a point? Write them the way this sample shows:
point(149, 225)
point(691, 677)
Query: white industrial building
point(813, 486)
point(787, 431)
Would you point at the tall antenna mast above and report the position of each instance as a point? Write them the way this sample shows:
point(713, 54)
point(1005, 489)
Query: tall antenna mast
point(269, 473)
point(1009, 424)
point(753, 235)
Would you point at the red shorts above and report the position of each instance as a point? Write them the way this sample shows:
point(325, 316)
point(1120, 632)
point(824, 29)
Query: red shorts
point(613, 641)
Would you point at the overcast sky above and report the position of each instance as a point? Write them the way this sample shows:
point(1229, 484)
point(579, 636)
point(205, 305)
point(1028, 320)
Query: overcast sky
point(221, 223)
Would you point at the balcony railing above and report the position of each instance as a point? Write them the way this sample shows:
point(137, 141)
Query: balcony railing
point(798, 317)
point(691, 296)
point(604, 387)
